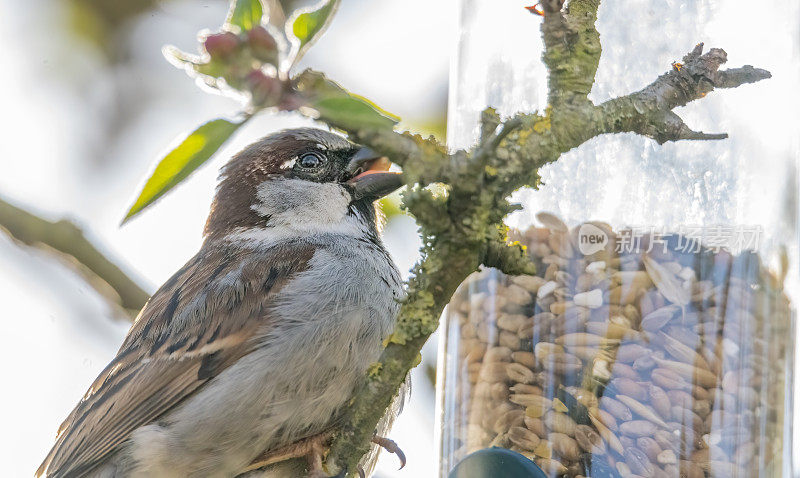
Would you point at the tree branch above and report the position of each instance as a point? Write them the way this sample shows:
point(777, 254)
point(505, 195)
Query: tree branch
point(67, 238)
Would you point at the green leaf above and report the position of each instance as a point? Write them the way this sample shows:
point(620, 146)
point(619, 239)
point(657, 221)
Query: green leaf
point(338, 107)
point(245, 14)
point(351, 113)
point(179, 163)
point(307, 24)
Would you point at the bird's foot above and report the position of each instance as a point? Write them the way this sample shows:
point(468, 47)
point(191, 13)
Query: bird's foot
point(311, 448)
point(314, 457)
point(391, 447)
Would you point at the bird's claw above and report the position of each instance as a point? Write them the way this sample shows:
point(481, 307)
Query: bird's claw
point(391, 447)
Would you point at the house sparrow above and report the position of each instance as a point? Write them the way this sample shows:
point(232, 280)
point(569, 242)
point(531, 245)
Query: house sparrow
point(250, 353)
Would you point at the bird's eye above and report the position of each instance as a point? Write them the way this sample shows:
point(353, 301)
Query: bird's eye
point(311, 160)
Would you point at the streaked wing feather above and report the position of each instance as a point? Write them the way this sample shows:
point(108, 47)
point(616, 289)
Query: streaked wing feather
point(201, 321)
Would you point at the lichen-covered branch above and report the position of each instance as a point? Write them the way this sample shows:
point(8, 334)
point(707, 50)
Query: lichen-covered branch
point(67, 238)
point(463, 229)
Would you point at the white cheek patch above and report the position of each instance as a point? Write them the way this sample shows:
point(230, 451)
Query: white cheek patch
point(297, 208)
point(294, 207)
point(299, 203)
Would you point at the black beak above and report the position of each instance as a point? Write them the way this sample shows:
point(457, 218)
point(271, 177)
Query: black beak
point(369, 175)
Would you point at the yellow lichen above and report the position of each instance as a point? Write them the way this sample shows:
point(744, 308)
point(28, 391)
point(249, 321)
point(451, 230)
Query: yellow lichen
point(374, 369)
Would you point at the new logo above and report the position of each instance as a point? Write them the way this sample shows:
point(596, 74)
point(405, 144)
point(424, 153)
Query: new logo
point(591, 239)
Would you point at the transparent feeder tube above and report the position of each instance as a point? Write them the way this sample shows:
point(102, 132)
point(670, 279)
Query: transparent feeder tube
point(713, 220)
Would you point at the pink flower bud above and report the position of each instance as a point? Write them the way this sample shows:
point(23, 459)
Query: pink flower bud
point(221, 45)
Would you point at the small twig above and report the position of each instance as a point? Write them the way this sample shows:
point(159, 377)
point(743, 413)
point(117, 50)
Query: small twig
point(649, 111)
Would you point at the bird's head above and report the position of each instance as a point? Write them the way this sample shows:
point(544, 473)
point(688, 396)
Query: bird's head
point(299, 181)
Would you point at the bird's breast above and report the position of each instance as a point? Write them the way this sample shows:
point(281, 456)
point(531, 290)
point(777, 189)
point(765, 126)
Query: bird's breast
point(324, 329)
